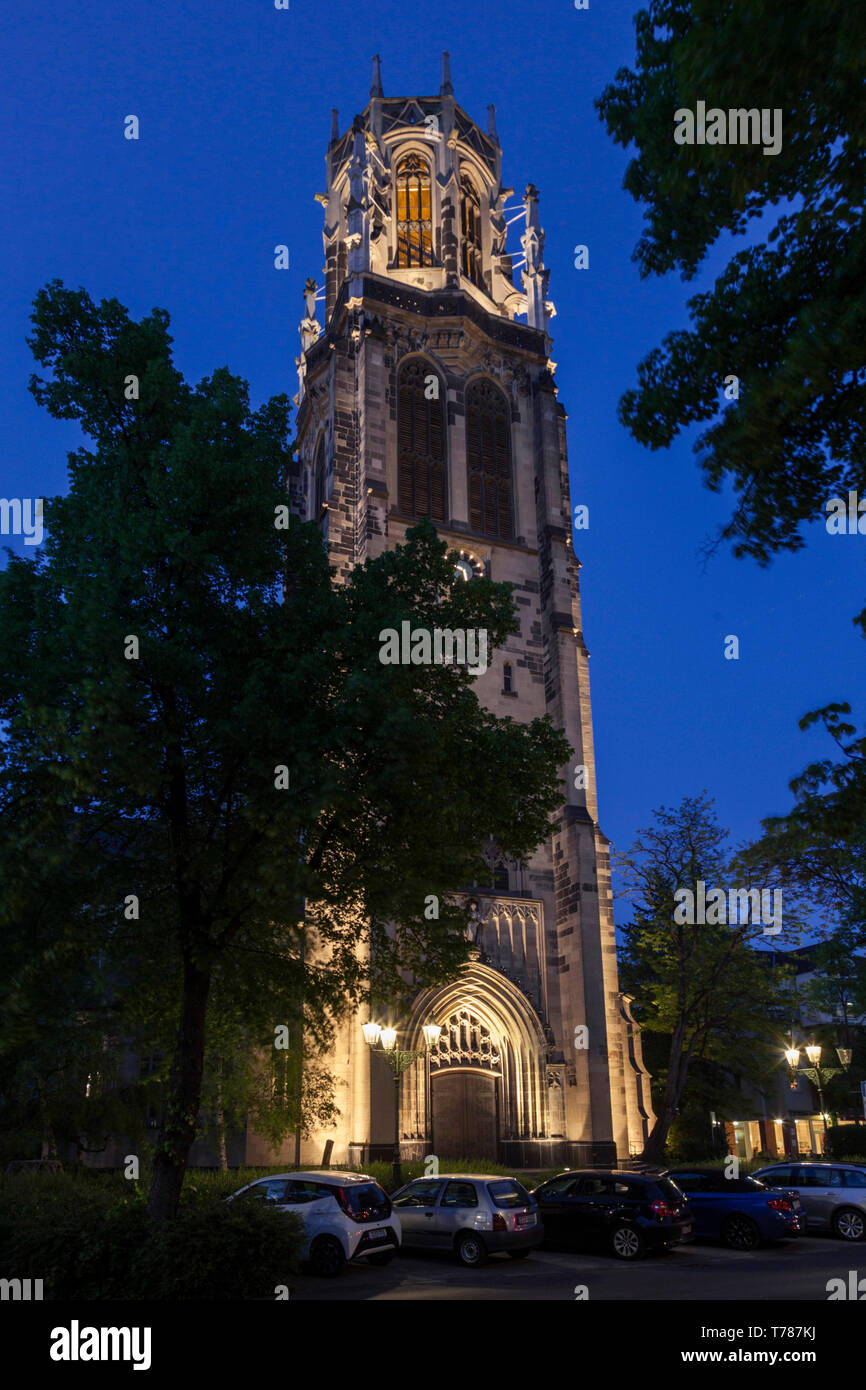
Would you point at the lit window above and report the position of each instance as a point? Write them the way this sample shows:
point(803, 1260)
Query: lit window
point(414, 218)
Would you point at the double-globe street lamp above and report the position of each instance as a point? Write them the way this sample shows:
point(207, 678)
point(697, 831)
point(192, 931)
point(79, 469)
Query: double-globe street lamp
point(815, 1072)
point(384, 1042)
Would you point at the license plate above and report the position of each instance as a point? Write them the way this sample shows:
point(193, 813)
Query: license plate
point(526, 1219)
point(377, 1235)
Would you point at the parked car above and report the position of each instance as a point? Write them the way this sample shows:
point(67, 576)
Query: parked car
point(741, 1212)
point(473, 1215)
point(833, 1194)
point(346, 1216)
point(626, 1213)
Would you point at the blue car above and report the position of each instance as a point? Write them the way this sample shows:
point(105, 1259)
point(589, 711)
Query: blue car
point(741, 1212)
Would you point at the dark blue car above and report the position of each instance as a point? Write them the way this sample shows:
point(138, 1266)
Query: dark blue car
point(741, 1212)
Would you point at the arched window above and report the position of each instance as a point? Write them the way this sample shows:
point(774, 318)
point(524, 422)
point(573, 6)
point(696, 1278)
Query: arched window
point(488, 461)
point(420, 441)
point(470, 233)
point(414, 217)
point(319, 498)
point(320, 489)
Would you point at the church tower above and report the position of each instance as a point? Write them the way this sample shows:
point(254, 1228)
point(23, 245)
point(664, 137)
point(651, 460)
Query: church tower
point(429, 389)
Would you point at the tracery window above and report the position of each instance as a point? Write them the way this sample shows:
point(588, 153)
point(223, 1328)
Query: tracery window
point(414, 216)
point(470, 233)
point(466, 1042)
point(488, 461)
point(420, 441)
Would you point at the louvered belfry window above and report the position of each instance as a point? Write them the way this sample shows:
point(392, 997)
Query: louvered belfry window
point(488, 461)
point(414, 217)
point(420, 442)
point(470, 233)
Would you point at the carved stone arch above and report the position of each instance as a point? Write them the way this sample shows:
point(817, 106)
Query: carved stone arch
point(515, 1032)
point(422, 438)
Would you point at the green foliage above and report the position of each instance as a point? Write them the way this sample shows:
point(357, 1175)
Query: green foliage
point(787, 316)
point(88, 1236)
point(155, 776)
point(703, 986)
point(846, 1142)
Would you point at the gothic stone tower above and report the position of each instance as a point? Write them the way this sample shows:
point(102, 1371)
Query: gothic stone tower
point(426, 392)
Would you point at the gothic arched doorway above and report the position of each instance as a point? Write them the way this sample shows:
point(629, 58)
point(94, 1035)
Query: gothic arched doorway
point(465, 1074)
point(484, 1086)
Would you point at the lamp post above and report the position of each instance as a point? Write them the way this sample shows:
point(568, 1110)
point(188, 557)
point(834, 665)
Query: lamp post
point(815, 1072)
point(384, 1042)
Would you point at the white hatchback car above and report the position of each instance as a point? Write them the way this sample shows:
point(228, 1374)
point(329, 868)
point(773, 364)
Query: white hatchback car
point(346, 1216)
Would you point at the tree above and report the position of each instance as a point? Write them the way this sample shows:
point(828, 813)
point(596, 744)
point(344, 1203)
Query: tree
point(703, 984)
point(787, 316)
point(200, 735)
point(820, 844)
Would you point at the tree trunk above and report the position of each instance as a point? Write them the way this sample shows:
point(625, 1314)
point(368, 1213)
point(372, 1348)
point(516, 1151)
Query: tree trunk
point(178, 1130)
point(654, 1147)
point(221, 1125)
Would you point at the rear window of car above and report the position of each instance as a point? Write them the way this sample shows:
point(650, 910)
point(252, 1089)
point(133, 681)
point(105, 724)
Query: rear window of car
point(508, 1193)
point(669, 1191)
point(691, 1182)
point(365, 1196)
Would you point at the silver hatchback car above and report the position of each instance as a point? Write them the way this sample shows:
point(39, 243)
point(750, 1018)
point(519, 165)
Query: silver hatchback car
point(471, 1214)
point(833, 1195)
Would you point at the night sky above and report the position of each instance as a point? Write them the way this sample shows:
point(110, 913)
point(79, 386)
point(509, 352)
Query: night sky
point(234, 105)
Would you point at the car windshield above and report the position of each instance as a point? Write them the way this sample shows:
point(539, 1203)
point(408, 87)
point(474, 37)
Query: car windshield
point(509, 1193)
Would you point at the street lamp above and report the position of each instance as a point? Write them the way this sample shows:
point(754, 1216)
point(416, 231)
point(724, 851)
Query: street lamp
point(384, 1041)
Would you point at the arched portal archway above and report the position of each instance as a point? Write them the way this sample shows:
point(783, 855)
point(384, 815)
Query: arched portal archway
point(485, 1083)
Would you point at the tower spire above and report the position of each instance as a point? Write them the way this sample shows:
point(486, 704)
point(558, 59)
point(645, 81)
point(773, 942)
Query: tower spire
point(446, 90)
point(376, 88)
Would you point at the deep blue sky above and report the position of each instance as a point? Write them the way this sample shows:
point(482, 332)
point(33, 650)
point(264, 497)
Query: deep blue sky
point(234, 102)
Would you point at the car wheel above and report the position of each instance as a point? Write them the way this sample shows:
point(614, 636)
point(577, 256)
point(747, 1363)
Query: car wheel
point(471, 1250)
point(740, 1233)
point(849, 1224)
point(627, 1243)
point(383, 1258)
point(327, 1257)
point(519, 1254)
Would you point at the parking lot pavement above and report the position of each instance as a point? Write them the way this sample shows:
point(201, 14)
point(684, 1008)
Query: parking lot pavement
point(798, 1271)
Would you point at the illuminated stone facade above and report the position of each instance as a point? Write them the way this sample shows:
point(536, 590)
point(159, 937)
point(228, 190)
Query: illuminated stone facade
point(419, 288)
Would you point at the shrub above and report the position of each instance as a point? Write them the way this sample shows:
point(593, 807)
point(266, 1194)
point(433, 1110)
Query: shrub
point(89, 1237)
point(218, 1250)
point(846, 1141)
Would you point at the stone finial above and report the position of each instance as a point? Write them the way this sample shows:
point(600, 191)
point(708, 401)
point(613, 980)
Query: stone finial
point(446, 90)
point(310, 297)
point(335, 124)
point(491, 124)
point(376, 88)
